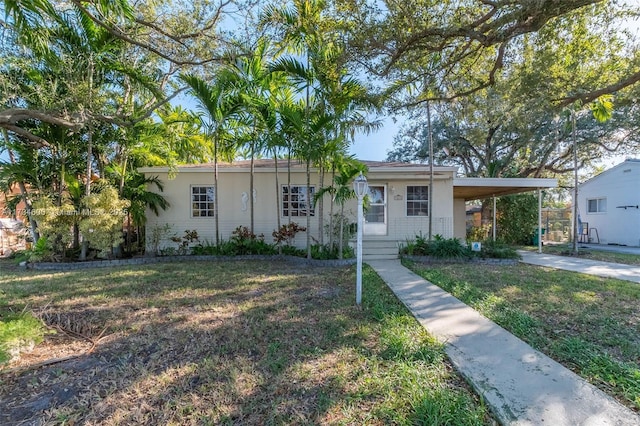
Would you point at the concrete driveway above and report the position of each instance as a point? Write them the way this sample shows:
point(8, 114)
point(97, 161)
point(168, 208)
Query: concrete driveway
point(585, 266)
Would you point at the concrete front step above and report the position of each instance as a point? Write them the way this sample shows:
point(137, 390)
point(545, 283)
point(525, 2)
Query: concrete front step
point(369, 257)
point(379, 249)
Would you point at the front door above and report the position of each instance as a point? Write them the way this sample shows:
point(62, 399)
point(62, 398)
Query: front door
point(375, 218)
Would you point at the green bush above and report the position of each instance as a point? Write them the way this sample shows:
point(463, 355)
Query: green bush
point(293, 251)
point(242, 242)
point(324, 252)
point(497, 250)
point(517, 218)
point(448, 248)
point(439, 247)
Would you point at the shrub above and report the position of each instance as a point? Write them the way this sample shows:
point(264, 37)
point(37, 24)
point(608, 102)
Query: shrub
point(448, 248)
point(438, 247)
point(340, 226)
point(497, 250)
point(158, 233)
point(101, 223)
point(517, 218)
point(41, 251)
point(55, 224)
point(190, 236)
point(246, 242)
point(325, 252)
point(293, 251)
point(287, 233)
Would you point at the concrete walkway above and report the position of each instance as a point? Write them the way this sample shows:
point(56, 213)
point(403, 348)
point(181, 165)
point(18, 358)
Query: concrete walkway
point(521, 385)
point(585, 266)
point(613, 248)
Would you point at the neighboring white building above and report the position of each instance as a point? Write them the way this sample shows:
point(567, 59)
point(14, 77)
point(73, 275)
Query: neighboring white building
point(609, 205)
point(397, 212)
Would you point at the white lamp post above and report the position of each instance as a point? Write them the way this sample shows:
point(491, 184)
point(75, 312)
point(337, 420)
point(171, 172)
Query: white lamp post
point(360, 186)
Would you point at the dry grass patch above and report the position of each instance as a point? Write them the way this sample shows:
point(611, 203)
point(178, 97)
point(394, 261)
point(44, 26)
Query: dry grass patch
point(252, 343)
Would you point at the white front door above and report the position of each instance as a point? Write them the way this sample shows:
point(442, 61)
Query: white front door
point(375, 218)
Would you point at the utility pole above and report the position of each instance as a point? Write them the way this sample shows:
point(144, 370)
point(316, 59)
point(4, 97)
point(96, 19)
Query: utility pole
point(430, 205)
point(575, 183)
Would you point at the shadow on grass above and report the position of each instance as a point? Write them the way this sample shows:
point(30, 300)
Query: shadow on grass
point(245, 343)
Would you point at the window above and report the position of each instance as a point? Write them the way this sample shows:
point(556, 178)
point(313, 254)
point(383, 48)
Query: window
point(417, 200)
point(597, 205)
point(294, 200)
point(202, 201)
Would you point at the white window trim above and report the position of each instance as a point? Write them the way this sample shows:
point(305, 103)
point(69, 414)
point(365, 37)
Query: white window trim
point(597, 199)
point(406, 207)
point(312, 210)
point(191, 194)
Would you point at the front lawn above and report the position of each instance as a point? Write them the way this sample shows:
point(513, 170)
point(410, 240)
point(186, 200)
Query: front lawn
point(589, 324)
point(252, 343)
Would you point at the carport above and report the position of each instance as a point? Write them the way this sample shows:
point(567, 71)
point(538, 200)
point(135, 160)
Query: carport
point(470, 189)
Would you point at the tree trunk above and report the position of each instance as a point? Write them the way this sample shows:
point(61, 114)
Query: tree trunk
point(320, 205)
point(278, 224)
point(289, 180)
point(123, 173)
point(308, 209)
point(341, 242)
point(251, 187)
point(331, 240)
point(215, 188)
point(87, 192)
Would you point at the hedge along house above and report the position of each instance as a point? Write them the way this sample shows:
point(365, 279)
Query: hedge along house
point(609, 206)
point(397, 212)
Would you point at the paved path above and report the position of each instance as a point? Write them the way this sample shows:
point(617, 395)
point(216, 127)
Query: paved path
point(521, 385)
point(606, 247)
point(585, 266)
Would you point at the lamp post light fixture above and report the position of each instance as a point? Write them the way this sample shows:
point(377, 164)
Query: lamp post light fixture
point(361, 187)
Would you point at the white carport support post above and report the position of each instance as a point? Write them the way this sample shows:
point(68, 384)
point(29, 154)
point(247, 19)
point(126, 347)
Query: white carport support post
point(493, 228)
point(539, 220)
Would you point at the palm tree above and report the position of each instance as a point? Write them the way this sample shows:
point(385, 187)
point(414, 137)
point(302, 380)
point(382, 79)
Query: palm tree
point(222, 106)
point(255, 83)
point(136, 190)
point(348, 168)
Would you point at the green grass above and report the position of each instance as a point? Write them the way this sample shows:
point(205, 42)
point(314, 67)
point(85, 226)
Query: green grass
point(255, 343)
point(589, 324)
point(18, 332)
point(588, 253)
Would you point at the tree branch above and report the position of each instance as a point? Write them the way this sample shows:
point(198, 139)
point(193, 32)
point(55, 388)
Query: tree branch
point(116, 32)
point(595, 94)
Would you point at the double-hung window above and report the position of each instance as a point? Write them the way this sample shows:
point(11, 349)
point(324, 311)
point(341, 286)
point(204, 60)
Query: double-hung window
point(295, 200)
point(417, 200)
point(202, 201)
point(596, 205)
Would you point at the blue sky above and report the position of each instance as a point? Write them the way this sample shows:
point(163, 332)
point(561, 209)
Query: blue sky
point(374, 146)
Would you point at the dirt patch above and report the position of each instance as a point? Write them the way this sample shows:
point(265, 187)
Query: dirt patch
point(250, 344)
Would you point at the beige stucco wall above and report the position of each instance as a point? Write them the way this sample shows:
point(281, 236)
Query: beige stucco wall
point(460, 219)
point(402, 227)
point(232, 183)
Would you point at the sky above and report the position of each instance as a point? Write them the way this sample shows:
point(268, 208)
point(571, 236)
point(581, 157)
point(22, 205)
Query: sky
point(374, 147)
